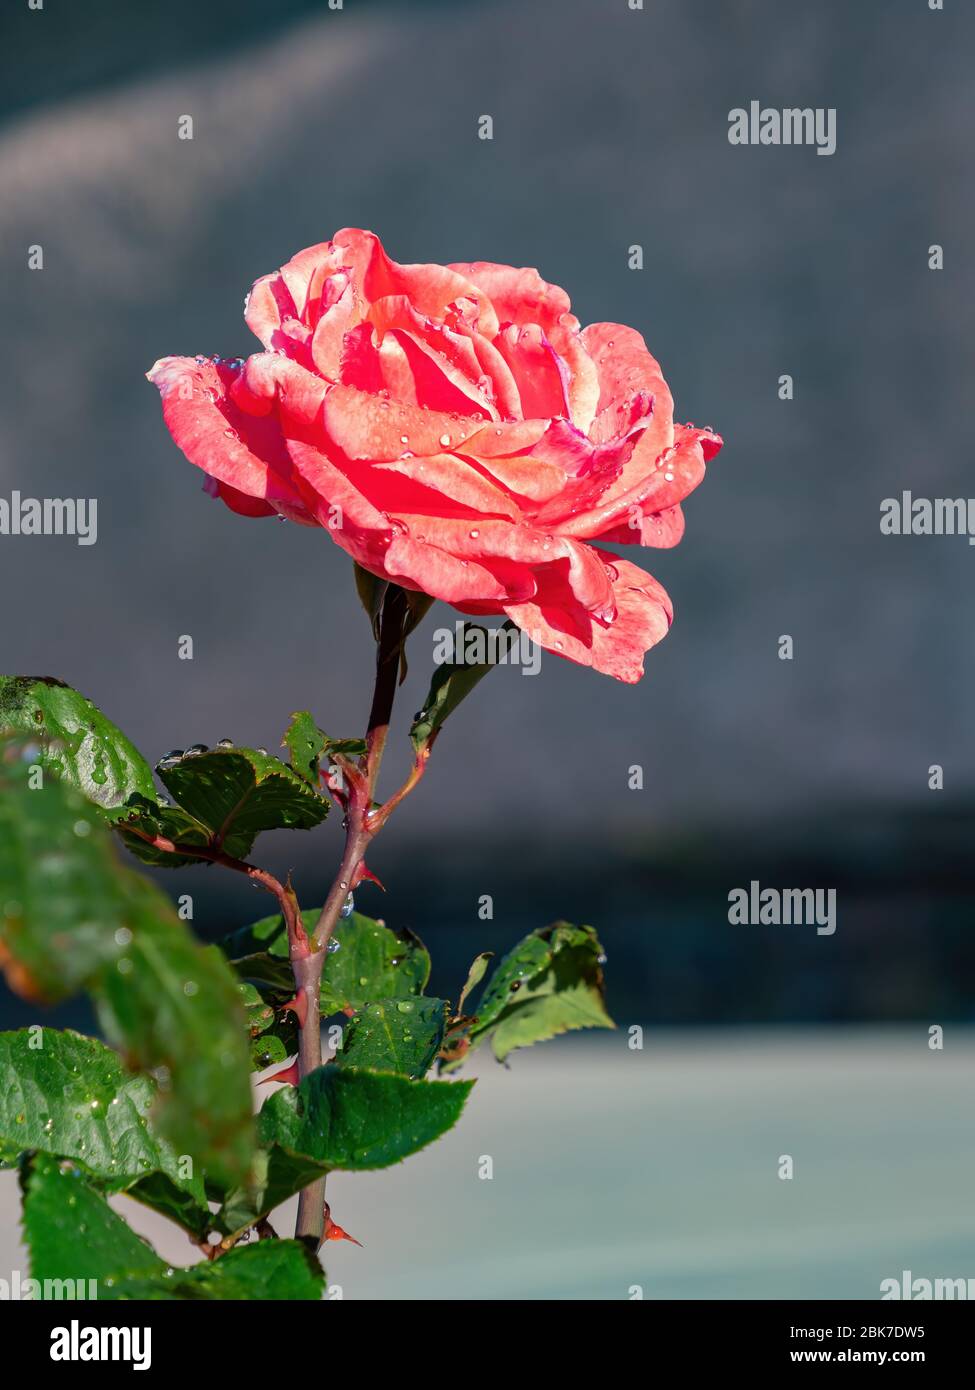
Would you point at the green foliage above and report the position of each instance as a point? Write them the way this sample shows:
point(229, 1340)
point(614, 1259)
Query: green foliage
point(75, 741)
point(356, 1119)
point(307, 745)
point(452, 682)
point(167, 1119)
point(475, 975)
point(72, 1233)
point(371, 961)
point(235, 793)
point(70, 1096)
point(338, 1118)
point(398, 1035)
point(273, 1031)
point(371, 591)
point(550, 983)
point(74, 918)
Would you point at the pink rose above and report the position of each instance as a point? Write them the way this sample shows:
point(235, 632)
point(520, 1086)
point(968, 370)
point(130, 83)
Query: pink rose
point(455, 431)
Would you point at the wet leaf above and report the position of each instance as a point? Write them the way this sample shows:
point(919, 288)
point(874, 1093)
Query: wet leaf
point(550, 983)
point(70, 1096)
point(75, 741)
point(398, 1035)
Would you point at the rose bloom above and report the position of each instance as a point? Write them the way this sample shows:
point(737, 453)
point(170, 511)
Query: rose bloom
point(455, 431)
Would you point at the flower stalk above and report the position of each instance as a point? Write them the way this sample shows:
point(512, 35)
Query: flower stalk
point(362, 824)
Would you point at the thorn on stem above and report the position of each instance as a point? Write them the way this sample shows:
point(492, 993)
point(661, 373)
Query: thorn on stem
point(333, 1231)
point(289, 1075)
point(298, 1006)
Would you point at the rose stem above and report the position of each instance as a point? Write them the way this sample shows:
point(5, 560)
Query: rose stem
point(360, 830)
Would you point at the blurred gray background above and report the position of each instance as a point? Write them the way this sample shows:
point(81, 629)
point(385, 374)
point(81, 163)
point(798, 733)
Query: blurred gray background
point(610, 129)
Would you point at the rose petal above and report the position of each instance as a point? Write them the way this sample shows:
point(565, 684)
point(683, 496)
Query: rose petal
point(367, 427)
point(660, 529)
point(674, 476)
point(518, 296)
point(643, 616)
point(535, 369)
point(244, 451)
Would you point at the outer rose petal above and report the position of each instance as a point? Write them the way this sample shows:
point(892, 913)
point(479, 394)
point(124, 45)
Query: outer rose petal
point(437, 572)
point(238, 502)
point(662, 530)
point(430, 288)
point(518, 296)
point(242, 451)
point(674, 476)
point(643, 616)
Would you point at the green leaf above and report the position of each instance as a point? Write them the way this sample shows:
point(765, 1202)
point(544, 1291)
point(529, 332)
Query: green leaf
point(452, 682)
point(60, 899)
point(170, 823)
point(273, 1034)
point(550, 983)
point(72, 1233)
point(170, 1003)
point(371, 590)
point(235, 793)
point(475, 975)
point(268, 1269)
point(276, 1176)
point(76, 741)
point(355, 1119)
point(371, 961)
point(68, 1095)
point(307, 745)
point(73, 918)
point(398, 1035)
